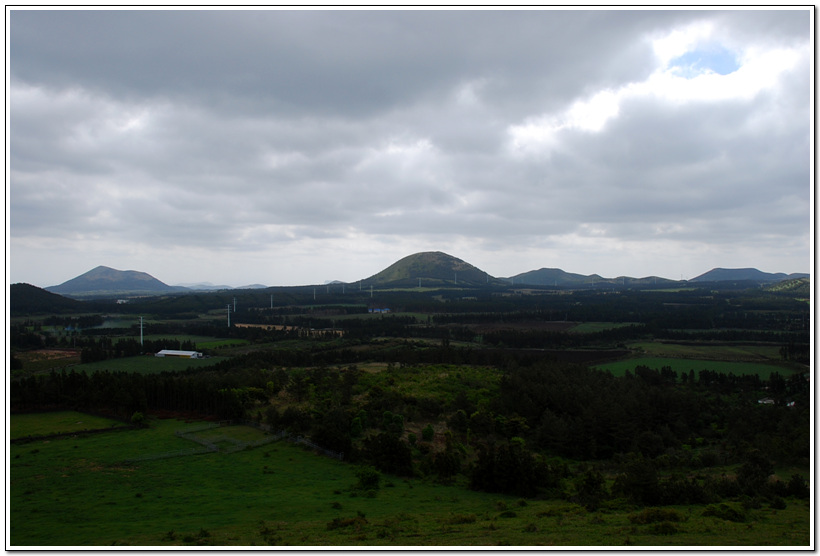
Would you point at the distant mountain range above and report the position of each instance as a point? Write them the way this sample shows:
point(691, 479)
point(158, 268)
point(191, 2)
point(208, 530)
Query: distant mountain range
point(557, 277)
point(737, 274)
point(207, 286)
point(428, 269)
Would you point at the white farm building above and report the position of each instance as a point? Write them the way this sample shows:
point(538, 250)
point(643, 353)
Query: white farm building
point(179, 353)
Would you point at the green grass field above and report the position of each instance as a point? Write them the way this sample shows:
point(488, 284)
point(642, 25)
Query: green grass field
point(724, 358)
point(724, 352)
point(76, 492)
point(58, 422)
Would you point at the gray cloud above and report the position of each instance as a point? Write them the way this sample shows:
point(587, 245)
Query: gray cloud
point(265, 135)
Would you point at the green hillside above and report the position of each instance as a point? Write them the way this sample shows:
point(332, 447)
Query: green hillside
point(798, 286)
point(432, 269)
point(26, 299)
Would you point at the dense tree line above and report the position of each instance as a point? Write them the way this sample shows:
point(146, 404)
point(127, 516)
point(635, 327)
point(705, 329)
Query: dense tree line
point(100, 349)
point(578, 413)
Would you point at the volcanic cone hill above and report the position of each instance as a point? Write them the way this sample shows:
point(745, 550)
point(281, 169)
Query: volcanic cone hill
point(431, 269)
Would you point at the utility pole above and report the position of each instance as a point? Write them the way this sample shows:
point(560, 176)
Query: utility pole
point(229, 315)
point(141, 344)
point(234, 304)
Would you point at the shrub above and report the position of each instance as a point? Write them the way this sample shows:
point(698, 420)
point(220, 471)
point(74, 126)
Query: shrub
point(427, 433)
point(510, 469)
point(368, 477)
point(389, 453)
point(458, 421)
point(798, 487)
point(459, 519)
point(752, 475)
point(138, 419)
point(683, 490)
point(655, 515)
point(725, 511)
point(750, 502)
point(638, 482)
point(590, 489)
point(338, 522)
point(777, 503)
point(663, 528)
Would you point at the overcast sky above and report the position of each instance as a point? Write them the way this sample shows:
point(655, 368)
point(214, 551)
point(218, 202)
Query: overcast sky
point(296, 147)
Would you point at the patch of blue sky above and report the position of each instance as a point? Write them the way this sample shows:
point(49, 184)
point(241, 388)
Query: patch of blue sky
point(708, 58)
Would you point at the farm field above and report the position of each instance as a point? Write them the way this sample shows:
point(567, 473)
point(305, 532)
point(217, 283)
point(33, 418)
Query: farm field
point(725, 352)
point(78, 492)
point(41, 360)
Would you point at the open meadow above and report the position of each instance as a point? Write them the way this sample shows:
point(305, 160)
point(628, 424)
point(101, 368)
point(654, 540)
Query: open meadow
point(57, 422)
point(80, 491)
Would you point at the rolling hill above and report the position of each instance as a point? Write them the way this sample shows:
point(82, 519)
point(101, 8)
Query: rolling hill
point(105, 281)
point(794, 286)
point(432, 268)
point(25, 299)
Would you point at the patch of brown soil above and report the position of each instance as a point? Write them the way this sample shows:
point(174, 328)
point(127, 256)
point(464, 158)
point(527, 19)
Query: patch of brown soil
point(48, 354)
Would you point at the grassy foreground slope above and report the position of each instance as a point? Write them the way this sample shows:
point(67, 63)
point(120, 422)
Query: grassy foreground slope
point(77, 491)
